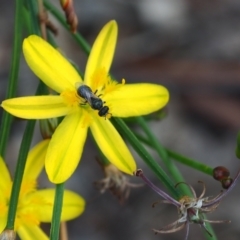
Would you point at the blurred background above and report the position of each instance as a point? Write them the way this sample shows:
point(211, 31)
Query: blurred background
point(193, 48)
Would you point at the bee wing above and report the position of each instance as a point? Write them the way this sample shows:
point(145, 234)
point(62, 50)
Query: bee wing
point(78, 84)
point(88, 94)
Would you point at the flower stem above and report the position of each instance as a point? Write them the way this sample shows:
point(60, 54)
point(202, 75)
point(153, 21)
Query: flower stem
point(180, 158)
point(146, 156)
point(59, 16)
point(210, 229)
point(190, 162)
point(33, 12)
point(13, 77)
point(163, 154)
point(22, 157)
point(57, 210)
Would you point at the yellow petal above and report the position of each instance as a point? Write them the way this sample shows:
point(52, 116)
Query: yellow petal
point(112, 145)
point(136, 99)
point(36, 107)
point(102, 51)
point(49, 65)
point(3, 222)
point(31, 232)
point(73, 204)
point(36, 160)
point(5, 182)
point(65, 148)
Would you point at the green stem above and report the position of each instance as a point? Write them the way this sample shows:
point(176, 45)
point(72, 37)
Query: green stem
point(13, 77)
point(22, 158)
point(163, 154)
point(210, 229)
point(59, 16)
point(146, 156)
point(190, 162)
point(33, 17)
point(57, 210)
point(33, 12)
point(180, 158)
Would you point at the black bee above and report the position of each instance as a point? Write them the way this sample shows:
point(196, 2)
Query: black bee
point(93, 100)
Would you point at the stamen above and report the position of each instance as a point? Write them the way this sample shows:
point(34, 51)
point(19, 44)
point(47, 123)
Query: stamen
point(71, 98)
point(99, 80)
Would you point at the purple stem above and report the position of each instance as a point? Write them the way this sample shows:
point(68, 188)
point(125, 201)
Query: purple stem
point(225, 193)
point(139, 173)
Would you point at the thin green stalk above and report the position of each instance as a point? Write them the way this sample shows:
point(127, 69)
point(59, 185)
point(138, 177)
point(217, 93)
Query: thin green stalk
point(13, 76)
point(192, 163)
point(57, 210)
point(34, 17)
point(210, 229)
point(163, 154)
point(22, 157)
point(59, 16)
point(147, 158)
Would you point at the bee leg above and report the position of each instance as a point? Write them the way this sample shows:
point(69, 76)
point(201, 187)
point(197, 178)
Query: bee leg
point(108, 116)
point(96, 93)
point(83, 103)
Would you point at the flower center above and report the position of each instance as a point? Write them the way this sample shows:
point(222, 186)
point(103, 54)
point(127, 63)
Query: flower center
point(99, 79)
point(71, 98)
point(103, 84)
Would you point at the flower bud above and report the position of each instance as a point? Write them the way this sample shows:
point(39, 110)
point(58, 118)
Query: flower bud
point(226, 183)
point(48, 127)
point(220, 173)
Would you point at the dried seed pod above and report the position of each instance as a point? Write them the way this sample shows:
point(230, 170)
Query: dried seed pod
point(220, 173)
point(44, 21)
point(68, 8)
point(226, 183)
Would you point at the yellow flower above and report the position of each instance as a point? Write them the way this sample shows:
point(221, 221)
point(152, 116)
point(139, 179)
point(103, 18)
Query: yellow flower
point(123, 100)
point(34, 206)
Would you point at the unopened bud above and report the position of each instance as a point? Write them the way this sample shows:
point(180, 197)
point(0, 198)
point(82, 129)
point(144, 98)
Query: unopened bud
point(48, 127)
point(220, 173)
point(226, 183)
